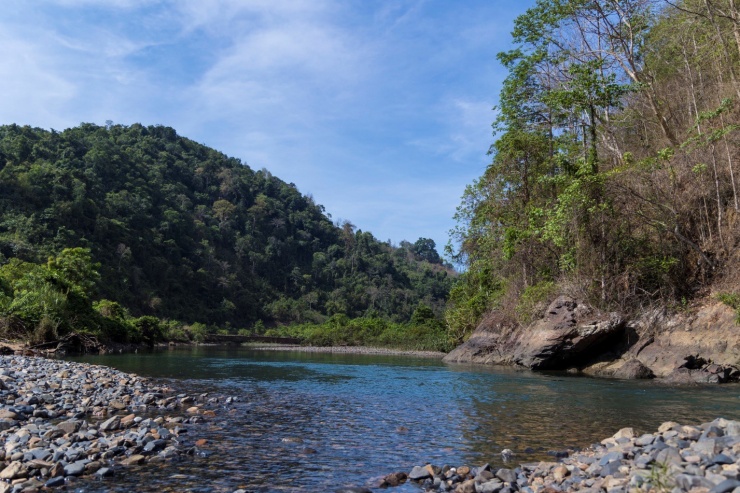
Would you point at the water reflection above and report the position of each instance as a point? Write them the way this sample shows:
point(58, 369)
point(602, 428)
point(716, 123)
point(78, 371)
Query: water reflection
point(313, 422)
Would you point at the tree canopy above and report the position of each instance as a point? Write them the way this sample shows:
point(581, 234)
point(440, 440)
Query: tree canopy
point(177, 230)
point(613, 173)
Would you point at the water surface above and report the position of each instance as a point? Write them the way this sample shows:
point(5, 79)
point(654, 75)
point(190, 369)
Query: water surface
point(314, 422)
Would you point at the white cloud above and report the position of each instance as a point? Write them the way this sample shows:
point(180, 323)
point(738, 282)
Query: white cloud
point(32, 92)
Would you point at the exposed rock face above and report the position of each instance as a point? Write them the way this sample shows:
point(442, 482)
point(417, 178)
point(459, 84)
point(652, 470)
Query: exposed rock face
point(569, 334)
point(701, 347)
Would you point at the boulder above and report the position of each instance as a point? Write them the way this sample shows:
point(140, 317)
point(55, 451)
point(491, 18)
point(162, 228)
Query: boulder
point(568, 334)
point(633, 369)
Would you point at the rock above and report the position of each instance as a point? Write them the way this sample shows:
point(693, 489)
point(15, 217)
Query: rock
point(12, 471)
point(725, 486)
point(353, 489)
point(134, 460)
point(105, 472)
point(395, 479)
point(467, 486)
point(111, 424)
point(633, 369)
point(55, 482)
point(74, 469)
point(506, 475)
point(419, 473)
point(559, 473)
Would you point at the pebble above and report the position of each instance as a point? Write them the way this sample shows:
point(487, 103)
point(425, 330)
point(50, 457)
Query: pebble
point(676, 459)
point(60, 419)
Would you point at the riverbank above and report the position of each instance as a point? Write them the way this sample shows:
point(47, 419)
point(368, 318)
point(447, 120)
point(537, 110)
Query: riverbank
point(348, 350)
point(676, 458)
point(698, 346)
point(60, 420)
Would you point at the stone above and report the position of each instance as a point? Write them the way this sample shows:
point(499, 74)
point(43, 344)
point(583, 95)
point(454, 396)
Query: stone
point(55, 482)
point(110, 424)
point(506, 475)
point(625, 433)
point(633, 369)
point(725, 486)
point(353, 489)
point(12, 471)
point(644, 440)
point(722, 459)
point(667, 426)
point(395, 479)
point(74, 469)
point(467, 486)
point(489, 487)
point(559, 473)
point(135, 459)
point(419, 473)
point(105, 472)
point(669, 455)
point(57, 470)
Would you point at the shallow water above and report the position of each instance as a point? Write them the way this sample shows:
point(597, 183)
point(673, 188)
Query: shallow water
point(315, 422)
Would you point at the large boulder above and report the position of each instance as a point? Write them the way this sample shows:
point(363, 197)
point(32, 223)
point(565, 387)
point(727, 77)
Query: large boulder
point(569, 334)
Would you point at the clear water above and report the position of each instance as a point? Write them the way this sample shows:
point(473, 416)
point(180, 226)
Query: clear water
point(366, 416)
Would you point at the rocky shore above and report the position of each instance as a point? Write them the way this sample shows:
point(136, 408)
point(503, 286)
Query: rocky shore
point(60, 420)
point(676, 459)
point(699, 346)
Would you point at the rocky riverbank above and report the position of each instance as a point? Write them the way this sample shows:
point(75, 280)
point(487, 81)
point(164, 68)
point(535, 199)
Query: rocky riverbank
point(676, 459)
point(700, 346)
point(60, 420)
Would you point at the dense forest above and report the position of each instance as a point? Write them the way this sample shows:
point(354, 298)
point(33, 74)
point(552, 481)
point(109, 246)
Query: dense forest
point(614, 174)
point(162, 226)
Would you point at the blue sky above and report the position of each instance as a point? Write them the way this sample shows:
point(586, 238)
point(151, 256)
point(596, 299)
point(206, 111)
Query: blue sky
point(379, 109)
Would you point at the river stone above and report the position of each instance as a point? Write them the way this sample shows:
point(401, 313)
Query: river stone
point(55, 482)
point(133, 460)
point(104, 472)
point(419, 473)
point(725, 486)
point(57, 470)
point(506, 475)
point(624, 433)
point(12, 471)
point(559, 473)
point(353, 489)
point(669, 455)
point(111, 424)
point(75, 468)
point(489, 486)
point(395, 479)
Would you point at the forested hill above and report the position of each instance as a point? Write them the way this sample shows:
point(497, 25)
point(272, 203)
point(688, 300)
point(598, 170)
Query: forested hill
point(615, 174)
point(182, 231)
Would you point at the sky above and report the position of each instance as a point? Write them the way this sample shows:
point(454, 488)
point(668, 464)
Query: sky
point(381, 110)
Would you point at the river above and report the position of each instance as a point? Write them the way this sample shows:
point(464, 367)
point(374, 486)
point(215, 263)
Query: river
point(315, 422)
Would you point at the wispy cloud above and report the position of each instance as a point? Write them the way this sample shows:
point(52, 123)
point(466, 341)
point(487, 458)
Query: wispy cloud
point(381, 110)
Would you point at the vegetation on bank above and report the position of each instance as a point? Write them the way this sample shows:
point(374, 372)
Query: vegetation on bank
point(615, 173)
point(424, 332)
point(178, 231)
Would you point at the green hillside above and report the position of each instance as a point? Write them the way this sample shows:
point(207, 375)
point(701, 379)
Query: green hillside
point(183, 232)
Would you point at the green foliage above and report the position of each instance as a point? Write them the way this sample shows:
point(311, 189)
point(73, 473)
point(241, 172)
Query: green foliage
point(532, 299)
point(477, 291)
point(733, 301)
point(197, 331)
point(589, 184)
point(170, 228)
point(427, 333)
point(51, 299)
